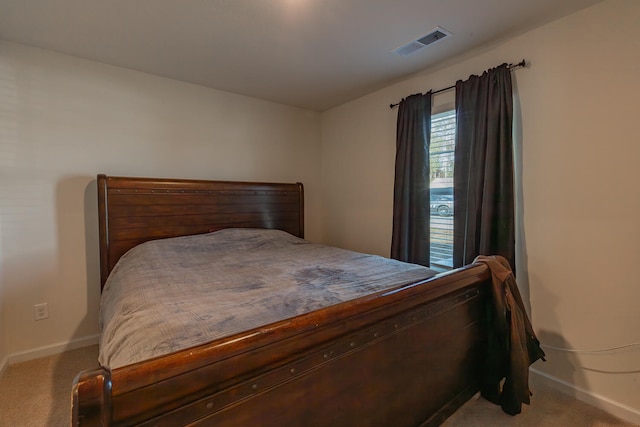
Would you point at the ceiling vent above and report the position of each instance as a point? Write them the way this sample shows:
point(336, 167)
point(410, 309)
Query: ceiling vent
point(412, 47)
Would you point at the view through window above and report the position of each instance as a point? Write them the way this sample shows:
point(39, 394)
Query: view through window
point(441, 152)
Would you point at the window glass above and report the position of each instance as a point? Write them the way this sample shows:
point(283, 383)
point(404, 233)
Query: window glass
point(441, 152)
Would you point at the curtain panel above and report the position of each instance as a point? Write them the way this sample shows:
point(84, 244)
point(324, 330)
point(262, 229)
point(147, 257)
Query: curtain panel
point(410, 239)
point(484, 202)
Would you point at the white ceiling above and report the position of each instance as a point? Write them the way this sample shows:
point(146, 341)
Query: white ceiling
point(314, 54)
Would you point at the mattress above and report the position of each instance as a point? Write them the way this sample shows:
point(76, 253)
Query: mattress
point(170, 294)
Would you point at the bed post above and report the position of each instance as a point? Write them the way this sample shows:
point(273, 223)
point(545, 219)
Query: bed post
point(301, 211)
point(103, 224)
point(91, 402)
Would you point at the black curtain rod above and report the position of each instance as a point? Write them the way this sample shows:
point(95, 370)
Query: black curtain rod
point(510, 67)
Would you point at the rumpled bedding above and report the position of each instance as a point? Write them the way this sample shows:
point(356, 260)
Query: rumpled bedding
point(171, 294)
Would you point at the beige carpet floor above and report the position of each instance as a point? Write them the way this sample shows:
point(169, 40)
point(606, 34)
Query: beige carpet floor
point(37, 393)
point(549, 408)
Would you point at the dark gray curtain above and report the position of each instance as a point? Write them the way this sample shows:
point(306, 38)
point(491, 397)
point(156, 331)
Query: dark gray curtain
point(483, 173)
point(410, 239)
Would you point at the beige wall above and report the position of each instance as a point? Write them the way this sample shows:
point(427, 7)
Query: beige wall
point(63, 121)
point(578, 148)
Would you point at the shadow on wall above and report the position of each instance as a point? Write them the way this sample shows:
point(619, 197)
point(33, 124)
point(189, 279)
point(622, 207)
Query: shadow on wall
point(77, 220)
point(522, 260)
point(561, 365)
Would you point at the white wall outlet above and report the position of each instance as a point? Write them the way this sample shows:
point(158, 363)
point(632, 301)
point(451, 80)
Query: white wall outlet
point(41, 311)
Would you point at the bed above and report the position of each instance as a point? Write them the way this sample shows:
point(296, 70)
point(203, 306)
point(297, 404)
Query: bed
point(408, 355)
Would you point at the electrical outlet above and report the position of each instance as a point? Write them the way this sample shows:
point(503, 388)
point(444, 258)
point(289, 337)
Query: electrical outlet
point(41, 311)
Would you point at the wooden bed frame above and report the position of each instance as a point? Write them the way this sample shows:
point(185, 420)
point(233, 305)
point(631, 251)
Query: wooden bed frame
point(405, 357)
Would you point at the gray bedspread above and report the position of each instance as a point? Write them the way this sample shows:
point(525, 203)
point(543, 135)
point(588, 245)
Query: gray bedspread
point(171, 294)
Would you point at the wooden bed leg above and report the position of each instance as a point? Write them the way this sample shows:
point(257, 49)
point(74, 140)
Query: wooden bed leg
point(91, 398)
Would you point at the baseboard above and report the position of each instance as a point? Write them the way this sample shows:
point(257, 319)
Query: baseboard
point(617, 409)
point(49, 350)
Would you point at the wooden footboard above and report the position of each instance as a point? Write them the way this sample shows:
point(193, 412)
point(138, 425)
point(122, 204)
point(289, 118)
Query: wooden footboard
point(407, 357)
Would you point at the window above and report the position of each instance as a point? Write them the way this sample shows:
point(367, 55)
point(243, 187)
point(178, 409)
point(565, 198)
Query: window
point(441, 152)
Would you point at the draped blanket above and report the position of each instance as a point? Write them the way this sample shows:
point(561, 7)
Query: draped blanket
point(512, 345)
point(171, 294)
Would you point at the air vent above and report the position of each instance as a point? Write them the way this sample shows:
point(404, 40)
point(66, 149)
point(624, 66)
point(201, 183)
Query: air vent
point(412, 47)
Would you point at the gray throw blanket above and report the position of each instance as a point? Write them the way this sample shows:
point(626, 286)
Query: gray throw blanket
point(171, 294)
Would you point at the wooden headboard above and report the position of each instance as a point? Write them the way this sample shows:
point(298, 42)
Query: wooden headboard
point(134, 210)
